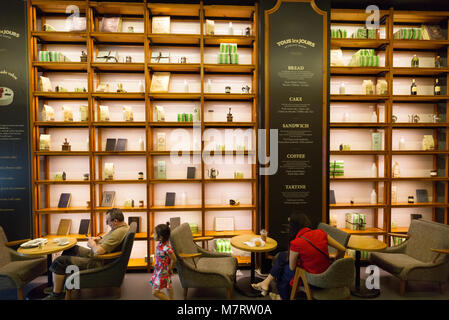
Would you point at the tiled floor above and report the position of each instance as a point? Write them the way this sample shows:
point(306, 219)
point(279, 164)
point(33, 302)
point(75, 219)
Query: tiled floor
point(136, 287)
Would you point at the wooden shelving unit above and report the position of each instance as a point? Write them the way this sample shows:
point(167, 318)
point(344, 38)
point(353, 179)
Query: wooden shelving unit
point(39, 12)
point(385, 106)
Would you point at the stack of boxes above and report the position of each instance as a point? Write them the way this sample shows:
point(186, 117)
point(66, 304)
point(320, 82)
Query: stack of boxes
point(223, 245)
point(52, 56)
point(339, 33)
point(364, 33)
point(336, 168)
point(364, 58)
point(228, 54)
point(355, 221)
point(408, 34)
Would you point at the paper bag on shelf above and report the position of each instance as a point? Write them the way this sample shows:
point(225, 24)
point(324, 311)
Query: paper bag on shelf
point(104, 113)
point(337, 58)
point(48, 113)
point(113, 24)
point(382, 87)
point(160, 25)
point(84, 113)
point(45, 84)
point(44, 142)
point(367, 87)
point(128, 113)
point(210, 27)
point(160, 82)
point(68, 113)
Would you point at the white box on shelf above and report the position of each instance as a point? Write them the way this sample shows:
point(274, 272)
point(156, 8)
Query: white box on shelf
point(224, 224)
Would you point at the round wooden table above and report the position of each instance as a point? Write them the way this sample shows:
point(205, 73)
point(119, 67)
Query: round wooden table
point(244, 284)
point(363, 243)
point(47, 249)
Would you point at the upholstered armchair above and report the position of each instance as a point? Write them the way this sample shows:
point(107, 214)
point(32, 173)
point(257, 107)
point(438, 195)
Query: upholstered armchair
point(110, 275)
point(16, 270)
point(420, 257)
point(199, 268)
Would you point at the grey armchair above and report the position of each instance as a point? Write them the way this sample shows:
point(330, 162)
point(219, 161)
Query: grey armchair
point(16, 270)
point(339, 235)
point(336, 281)
point(110, 275)
point(414, 259)
point(199, 268)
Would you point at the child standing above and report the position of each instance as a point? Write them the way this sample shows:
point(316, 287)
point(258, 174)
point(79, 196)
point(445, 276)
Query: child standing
point(165, 260)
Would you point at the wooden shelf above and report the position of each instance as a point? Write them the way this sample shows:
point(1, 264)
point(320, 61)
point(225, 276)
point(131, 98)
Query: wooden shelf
point(118, 66)
point(419, 98)
point(419, 71)
point(62, 153)
point(124, 209)
point(120, 153)
point(353, 15)
point(366, 232)
point(66, 124)
point(119, 96)
point(170, 124)
point(63, 182)
point(60, 36)
point(167, 153)
point(419, 44)
point(357, 97)
point(229, 68)
point(63, 210)
point(118, 37)
point(356, 206)
point(177, 208)
point(344, 179)
point(140, 124)
point(399, 230)
point(120, 8)
point(358, 43)
point(219, 207)
point(61, 66)
point(357, 125)
point(420, 16)
point(220, 11)
point(420, 179)
point(230, 180)
point(174, 96)
point(228, 96)
point(356, 71)
point(58, 6)
point(229, 124)
point(417, 205)
point(240, 40)
point(358, 152)
point(419, 125)
point(175, 67)
point(166, 9)
point(175, 181)
point(61, 95)
point(418, 152)
point(143, 181)
point(170, 38)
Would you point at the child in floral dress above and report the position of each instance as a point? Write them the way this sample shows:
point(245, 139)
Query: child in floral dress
point(165, 260)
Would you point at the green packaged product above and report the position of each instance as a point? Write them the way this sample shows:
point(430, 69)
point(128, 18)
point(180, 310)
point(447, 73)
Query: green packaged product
point(352, 221)
point(224, 58)
point(364, 52)
point(372, 33)
point(361, 33)
point(193, 228)
point(408, 34)
point(364, 61)
point(339, 33)
point(179, 117)
point(190, 117)
point(337, 168)
point(234, 58)
point(44, 56)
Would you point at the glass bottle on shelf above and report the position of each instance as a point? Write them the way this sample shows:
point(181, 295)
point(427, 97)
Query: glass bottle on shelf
point(186, 86)
point(373, 197)
point(415, 61)
point(401, 144)
point(413, 88)
point(396, 170)
point(373, 117)
point(436, 88)
point(342, 88)
point(437, 62)
point(231, 29)
point(374, 170)
point(394, 194)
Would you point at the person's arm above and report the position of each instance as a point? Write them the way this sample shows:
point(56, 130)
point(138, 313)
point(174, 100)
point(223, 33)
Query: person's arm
point(292, 257)
point(96, 248)
point(172, 263)
point(334, 243)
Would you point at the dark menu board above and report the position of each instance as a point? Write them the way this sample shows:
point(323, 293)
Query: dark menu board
point(15, 196)
point(296, 98)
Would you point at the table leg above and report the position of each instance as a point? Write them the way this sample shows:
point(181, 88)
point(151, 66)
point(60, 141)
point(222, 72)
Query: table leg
point(49, 273)
point(243, 285)
point(360, 289)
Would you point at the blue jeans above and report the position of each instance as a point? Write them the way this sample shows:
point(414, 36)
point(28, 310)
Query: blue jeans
point(282, 273)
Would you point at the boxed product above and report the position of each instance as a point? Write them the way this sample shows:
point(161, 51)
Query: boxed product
point(44, 142)
point(408, 34)
point(160, 25)
point(223, 245)
point(210, 27)
point(367, 87)
point(337, 168)
point(104, 113)
point(193, 228)
point(376, 141)
point(68, 113)
point(364, 33)
point(160, 113)
point(84, 113)
point(364, 58)
point(45, 84)
point(382, 87)
point(107, 56)
point(127, 113)
point(337, 58)
point(48, 113)
point(398, 240)
point(108, 171)
point(355, 221)
point(339, 33)
point(113, 24)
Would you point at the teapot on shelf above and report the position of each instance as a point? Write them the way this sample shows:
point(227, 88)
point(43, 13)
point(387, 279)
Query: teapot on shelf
point(212, 173)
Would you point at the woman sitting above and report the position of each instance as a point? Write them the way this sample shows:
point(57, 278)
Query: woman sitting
point(308, 249)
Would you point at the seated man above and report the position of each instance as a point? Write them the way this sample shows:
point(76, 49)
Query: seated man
point(84, 258)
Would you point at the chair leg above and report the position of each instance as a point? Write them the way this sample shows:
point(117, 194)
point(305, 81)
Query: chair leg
point(403, 287)
point(185, 293)
point(228, 293)
point(295, 284)
point(306, 284)
point(442, 287)
point(68, 294)
point(20, 293)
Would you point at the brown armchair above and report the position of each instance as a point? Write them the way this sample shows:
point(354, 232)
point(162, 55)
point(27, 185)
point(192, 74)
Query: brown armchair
point(16, 270)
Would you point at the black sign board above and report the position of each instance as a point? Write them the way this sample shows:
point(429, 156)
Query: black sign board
point(296, 104)
point(15, 194)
